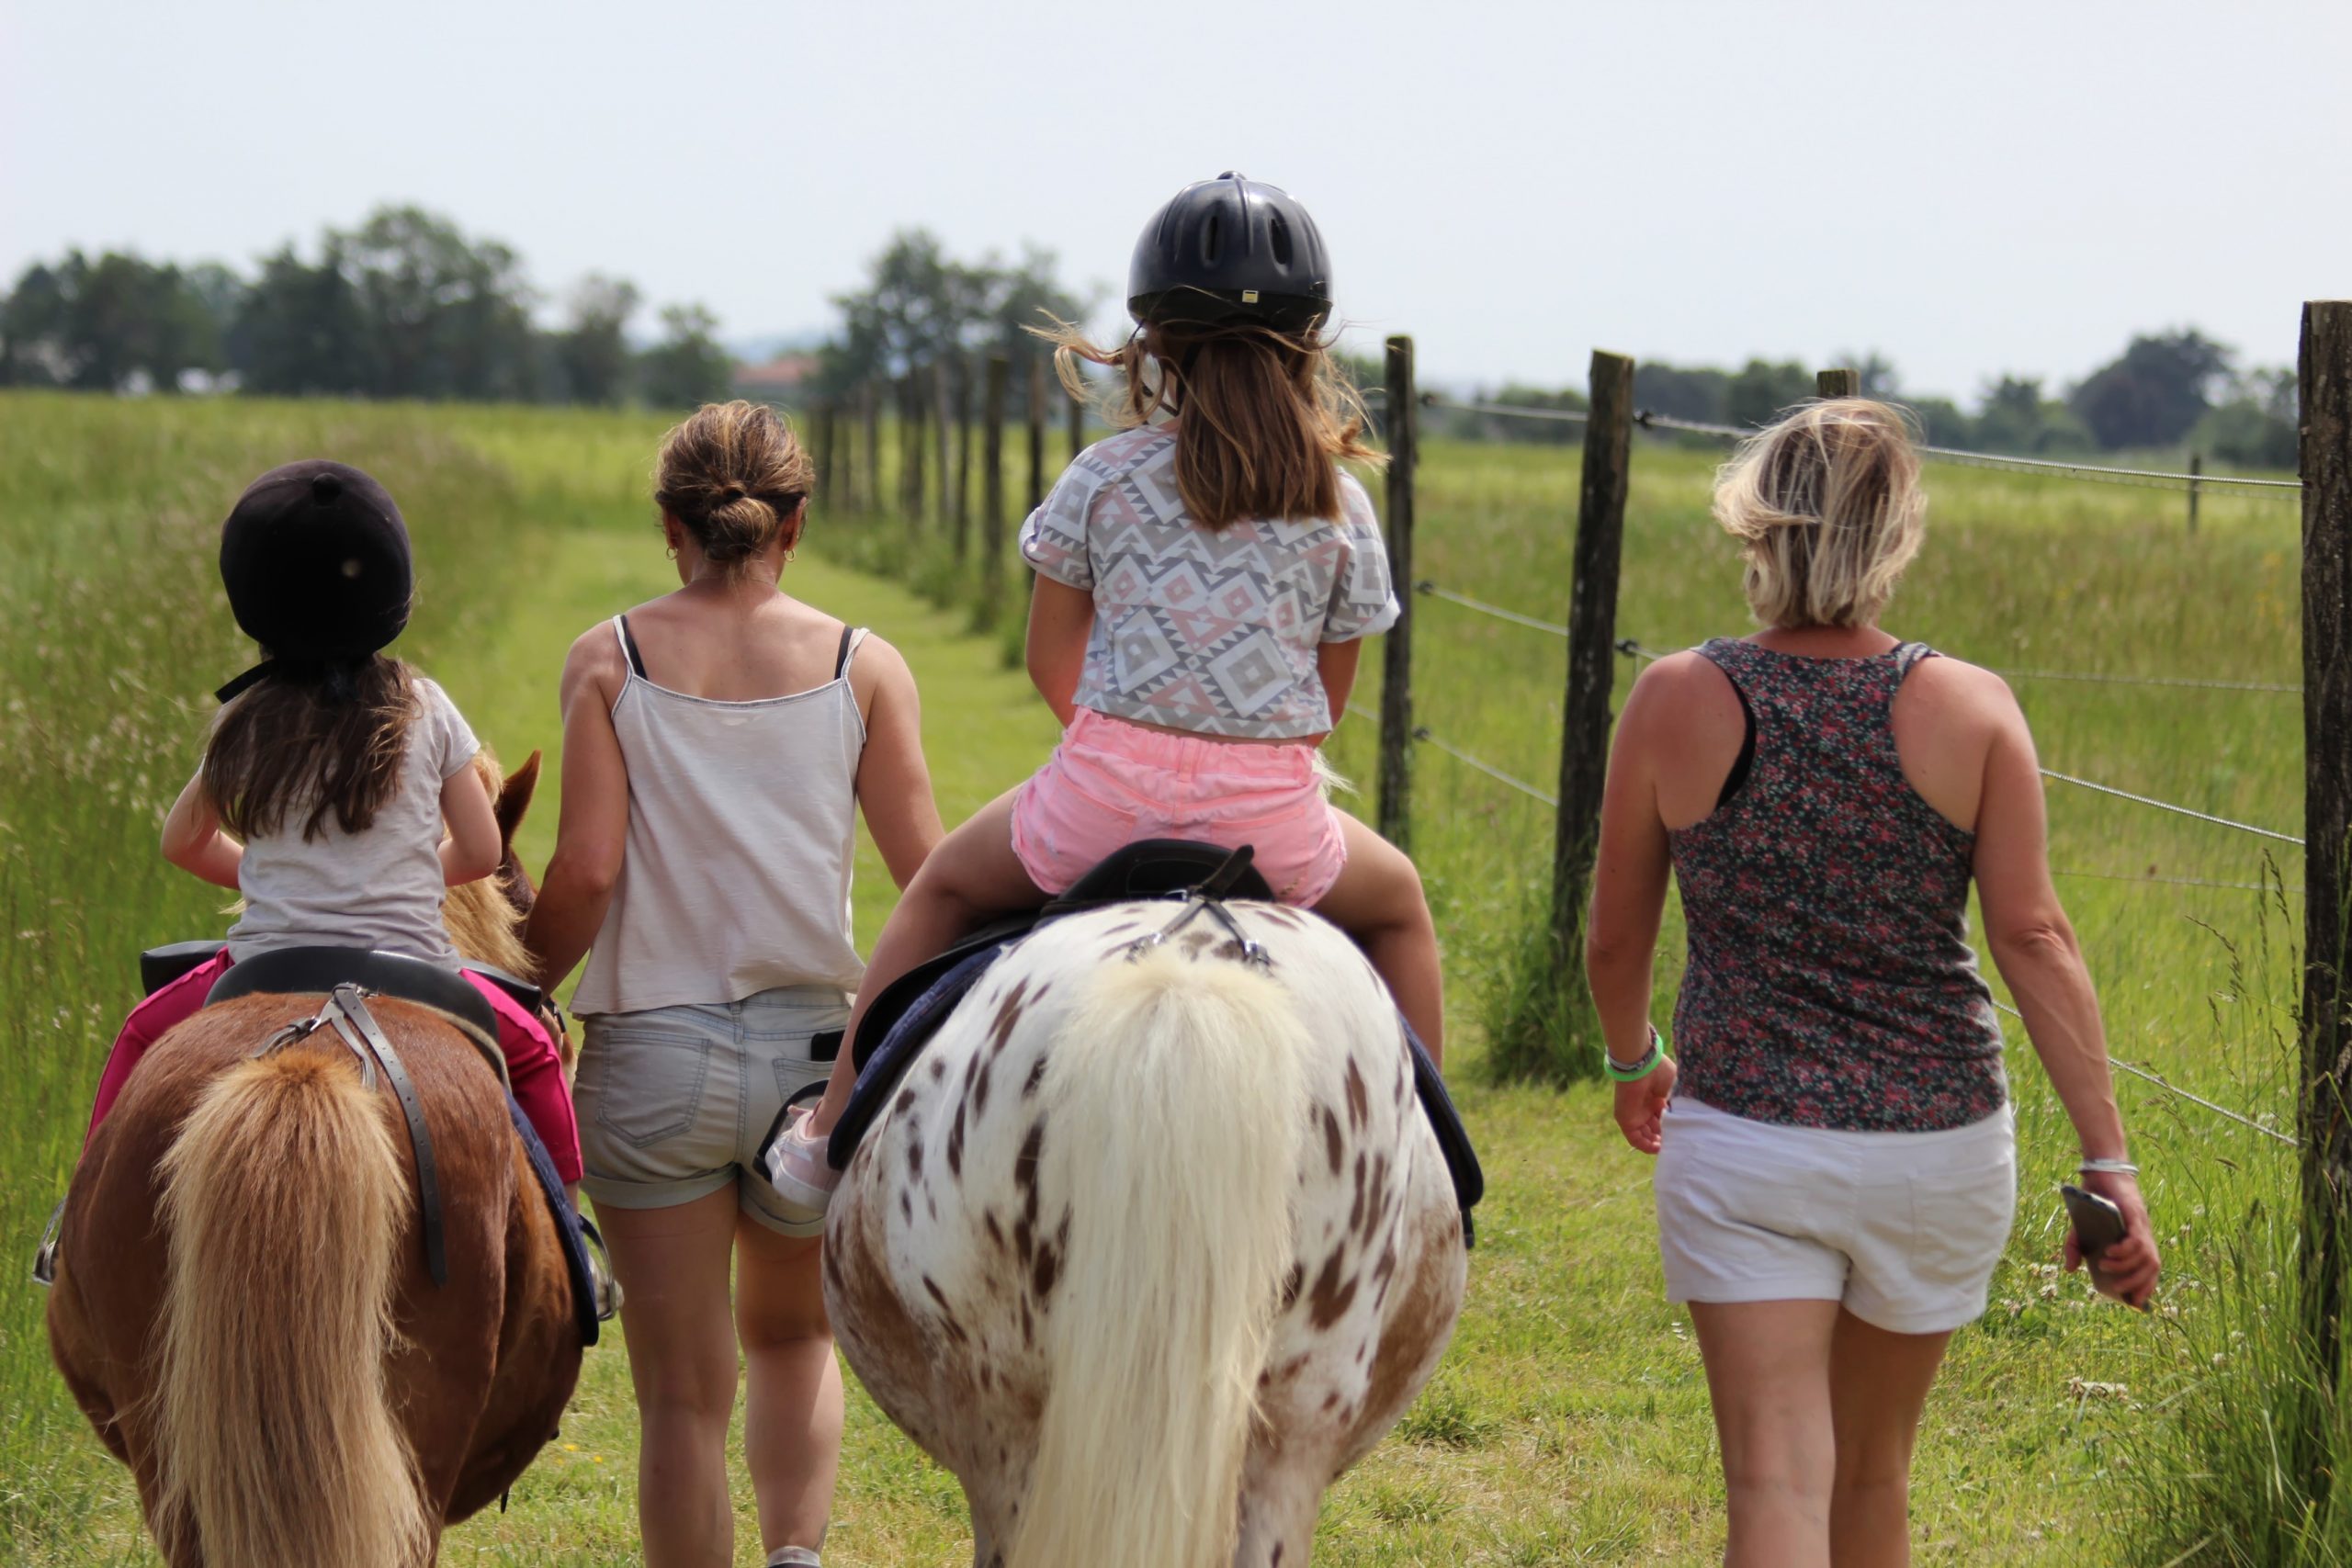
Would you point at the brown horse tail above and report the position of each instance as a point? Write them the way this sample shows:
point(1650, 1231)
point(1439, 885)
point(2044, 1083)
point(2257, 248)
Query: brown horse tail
point(286, 1200)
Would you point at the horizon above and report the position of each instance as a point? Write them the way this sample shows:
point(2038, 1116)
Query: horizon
point(2018, 210)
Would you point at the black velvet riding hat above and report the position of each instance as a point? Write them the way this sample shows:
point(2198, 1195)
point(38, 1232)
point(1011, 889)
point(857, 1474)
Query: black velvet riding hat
point(315, 558)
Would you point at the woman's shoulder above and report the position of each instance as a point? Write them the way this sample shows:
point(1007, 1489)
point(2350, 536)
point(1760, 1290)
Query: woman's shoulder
point(1126, 451)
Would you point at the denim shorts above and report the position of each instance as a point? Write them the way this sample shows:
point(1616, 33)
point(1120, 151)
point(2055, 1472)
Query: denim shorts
point(674, 1101)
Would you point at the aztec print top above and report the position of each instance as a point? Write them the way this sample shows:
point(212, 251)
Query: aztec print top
point(1830, 981)
point(1210, 632)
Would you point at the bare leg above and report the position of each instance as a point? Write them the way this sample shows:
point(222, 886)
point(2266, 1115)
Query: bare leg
point(1878, 1385)
point(673, 1265)
point(1767, 1375)
point(1378, 900)
point(792, 1412)
point(970, 877)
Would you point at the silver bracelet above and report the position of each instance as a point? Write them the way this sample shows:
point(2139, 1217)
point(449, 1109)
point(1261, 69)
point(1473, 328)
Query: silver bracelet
point(2107, 1168)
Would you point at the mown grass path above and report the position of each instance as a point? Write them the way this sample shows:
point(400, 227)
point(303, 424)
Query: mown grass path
point(1569, 1423)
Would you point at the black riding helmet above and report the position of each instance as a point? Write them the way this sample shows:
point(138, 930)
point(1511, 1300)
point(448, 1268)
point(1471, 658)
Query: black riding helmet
point(315, 558)
point(1231, 250)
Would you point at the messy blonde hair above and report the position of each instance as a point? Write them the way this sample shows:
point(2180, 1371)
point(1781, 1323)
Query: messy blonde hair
point(735, 476)
point(1263, 416)
point(1828, 504)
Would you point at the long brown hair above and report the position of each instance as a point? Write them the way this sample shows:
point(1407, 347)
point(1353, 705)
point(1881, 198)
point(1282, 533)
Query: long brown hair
point(1262, 416)
point(733, 475)
point(327, 741)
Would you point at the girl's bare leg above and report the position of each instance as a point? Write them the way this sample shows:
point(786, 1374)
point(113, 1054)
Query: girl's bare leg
point(1378, 900)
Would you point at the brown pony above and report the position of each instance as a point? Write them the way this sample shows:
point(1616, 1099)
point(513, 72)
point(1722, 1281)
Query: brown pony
point(242, 1305)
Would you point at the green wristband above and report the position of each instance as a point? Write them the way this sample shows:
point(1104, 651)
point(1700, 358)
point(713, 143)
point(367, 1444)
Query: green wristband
point(1642, 1069)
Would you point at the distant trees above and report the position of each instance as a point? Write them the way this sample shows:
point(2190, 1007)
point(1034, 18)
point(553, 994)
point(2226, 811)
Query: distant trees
point(920, 307)
point(2165, 390)
point(406, 305)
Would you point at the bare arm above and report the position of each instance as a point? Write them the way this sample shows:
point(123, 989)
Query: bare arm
point(593, 829)
point(1335, 664)
point(2034, 945)
point(471, 851)
point(1628, 902)
point(1060, 617)
point(893, 779)
point(193, 840)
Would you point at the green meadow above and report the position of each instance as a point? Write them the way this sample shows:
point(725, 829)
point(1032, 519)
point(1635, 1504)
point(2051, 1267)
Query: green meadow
point(1569, 1423)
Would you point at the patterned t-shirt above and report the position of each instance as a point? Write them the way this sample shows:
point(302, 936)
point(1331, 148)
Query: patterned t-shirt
point(1210, 632)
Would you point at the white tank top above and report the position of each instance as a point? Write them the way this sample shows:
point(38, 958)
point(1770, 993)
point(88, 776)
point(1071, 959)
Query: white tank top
point(742, 822)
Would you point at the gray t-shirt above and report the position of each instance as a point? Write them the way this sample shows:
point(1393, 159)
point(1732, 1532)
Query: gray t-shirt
point(381, 889)
point(1217, 633)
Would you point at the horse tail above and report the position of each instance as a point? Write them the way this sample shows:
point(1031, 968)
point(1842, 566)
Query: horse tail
point(285, 1202)
point(1175, 1114)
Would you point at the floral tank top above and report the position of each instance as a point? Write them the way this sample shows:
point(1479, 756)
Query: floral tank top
point(1830, 981)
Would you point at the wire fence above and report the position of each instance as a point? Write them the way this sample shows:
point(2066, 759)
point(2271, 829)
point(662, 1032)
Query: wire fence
point(2170, 1088)
point(1650, 419)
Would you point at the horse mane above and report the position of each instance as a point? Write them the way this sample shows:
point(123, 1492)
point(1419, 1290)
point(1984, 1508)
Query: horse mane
point(483, 923)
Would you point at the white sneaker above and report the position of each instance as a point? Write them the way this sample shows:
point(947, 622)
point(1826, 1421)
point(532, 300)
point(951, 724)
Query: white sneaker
point(794, 1164)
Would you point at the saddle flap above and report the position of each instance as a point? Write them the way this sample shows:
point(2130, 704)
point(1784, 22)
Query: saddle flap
point(159, 966)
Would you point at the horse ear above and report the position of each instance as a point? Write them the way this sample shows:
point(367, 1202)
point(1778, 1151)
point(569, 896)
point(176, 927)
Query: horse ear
point(515, 798)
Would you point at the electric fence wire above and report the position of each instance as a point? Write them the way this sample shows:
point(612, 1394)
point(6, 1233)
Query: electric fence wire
point(1649, 419)
point(2176, 1090)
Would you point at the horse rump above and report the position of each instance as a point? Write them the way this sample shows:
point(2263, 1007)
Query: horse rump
point(286, 1200)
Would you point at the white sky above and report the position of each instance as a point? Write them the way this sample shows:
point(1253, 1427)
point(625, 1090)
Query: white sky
point(1965, 187)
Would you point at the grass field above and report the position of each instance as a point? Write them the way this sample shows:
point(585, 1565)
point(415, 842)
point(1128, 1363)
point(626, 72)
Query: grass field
point(1569, 1423)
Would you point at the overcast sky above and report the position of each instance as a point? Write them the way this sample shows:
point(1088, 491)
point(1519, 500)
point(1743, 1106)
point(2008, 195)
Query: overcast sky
point(1965, 187)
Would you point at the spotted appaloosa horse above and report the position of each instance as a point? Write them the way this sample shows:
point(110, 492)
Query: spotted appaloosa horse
point(1148, 1248)
point(241, 1306)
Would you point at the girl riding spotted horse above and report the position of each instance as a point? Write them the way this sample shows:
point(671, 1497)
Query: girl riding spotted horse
point(1204, 581)
point(330, 773)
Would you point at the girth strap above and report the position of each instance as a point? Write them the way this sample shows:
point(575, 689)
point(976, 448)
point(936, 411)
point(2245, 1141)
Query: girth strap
point(346, 1012)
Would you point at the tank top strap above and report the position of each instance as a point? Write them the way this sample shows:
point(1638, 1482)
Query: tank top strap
point(853, 638)
point(628, 646)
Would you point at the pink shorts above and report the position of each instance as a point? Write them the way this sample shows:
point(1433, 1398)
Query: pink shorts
point(1110, 782)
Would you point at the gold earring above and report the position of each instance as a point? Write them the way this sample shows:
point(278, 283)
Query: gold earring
point(673, 552)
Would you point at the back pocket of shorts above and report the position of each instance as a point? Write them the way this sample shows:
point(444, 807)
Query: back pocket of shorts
point(651, 1083)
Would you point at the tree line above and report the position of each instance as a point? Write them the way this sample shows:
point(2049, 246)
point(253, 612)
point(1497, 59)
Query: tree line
point(2173, 389)
point(920, 309)
point(405, 305)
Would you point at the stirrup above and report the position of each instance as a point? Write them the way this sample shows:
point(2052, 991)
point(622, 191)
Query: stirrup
point(45, 1256)
point(602, 1283)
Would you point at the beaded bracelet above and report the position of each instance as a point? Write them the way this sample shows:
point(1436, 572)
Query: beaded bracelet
point(1634, 1071)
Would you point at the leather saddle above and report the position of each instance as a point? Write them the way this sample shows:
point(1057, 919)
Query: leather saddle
point(903, 1017)
point(346, 976)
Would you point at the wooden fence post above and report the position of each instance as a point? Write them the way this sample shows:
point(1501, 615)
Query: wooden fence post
point(1076, 415)
point(1036, 433)
point(2324, 378)
point(1592, 666)
point(992, 483)
point(869, 408)
point(942, 417)
point(1395, 769)
point(963, 456)
point(1839, 383)
point(911, 452)
point(2196, 468)
point(828, 478)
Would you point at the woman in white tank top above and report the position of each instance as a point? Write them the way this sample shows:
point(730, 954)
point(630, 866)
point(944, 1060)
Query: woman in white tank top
point(718, 744)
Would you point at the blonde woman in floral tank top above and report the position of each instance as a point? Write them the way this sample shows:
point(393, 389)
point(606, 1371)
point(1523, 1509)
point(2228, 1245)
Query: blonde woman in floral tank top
point(1837, 1166)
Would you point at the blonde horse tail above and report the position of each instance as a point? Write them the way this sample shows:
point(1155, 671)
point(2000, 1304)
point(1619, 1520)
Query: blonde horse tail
point(1174, 1105)
point(285, 1201)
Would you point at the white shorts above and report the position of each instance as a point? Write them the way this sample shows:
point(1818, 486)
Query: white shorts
point(1904, 1228)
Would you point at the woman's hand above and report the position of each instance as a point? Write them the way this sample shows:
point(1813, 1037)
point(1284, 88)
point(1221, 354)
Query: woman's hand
point(2128, 1270)
point(1641, 1106)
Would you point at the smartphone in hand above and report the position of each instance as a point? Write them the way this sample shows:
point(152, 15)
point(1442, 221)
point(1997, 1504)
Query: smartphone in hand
point(2098, 1224)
